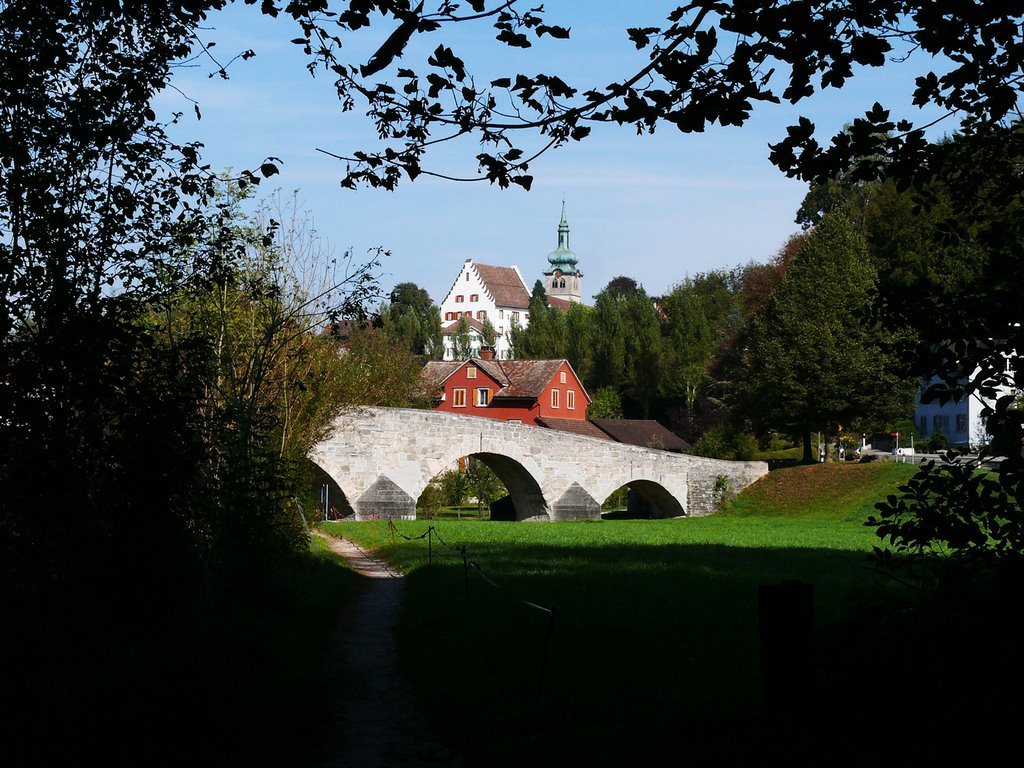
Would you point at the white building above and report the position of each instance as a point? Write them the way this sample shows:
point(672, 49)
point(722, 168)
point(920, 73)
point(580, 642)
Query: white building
point(960, 422)
point(482, 292)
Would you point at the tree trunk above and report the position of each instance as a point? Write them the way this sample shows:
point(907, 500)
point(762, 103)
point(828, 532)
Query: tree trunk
point(808, 458)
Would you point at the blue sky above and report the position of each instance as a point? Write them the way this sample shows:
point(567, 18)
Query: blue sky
point(656, 208)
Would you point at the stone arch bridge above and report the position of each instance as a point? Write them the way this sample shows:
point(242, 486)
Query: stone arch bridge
point(383, 458)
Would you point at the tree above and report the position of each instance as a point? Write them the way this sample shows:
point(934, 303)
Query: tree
point(488, 333)
point(605, 404)
point(711, 62)
point(579, 339)
point(411, 316)
point(816, 360)
point(689, 347)
point(609, 350)
point(484, 484)
point(462, 340)
point(374, 369)
point(643, 349)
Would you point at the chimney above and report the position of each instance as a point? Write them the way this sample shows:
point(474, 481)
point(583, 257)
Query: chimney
point(486, 353)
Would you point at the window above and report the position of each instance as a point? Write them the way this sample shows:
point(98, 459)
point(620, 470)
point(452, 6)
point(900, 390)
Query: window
point(481, 314)
point(961, 422)
point(474, 297)
point(561, 377)
point(501, 330)
point(570, 399)
point(515, 317)
point(458, 398)
point(483, 396)
point(467, 277)
point(515, 421)
point(471, 372)
point(459, 298)
point(554, 398)
point(449, 315)
point(501, 314)
point(924, 426)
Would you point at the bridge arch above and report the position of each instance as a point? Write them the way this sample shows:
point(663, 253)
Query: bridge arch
point(337, 499)
point(650, 499)
point(520, 480)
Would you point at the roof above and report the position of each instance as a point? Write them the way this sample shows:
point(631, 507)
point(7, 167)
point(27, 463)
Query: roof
point(518, 379)
point(574, 426)
point(434, 373)
point(505, 286)
point(643, 432)
point(526, 378)
point(557, 303)
point(453, 326)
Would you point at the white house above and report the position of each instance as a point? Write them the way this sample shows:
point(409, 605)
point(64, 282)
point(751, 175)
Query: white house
point(960, 422)
point(482, 292)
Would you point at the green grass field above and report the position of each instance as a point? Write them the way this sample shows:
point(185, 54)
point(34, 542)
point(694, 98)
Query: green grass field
point(655, 642)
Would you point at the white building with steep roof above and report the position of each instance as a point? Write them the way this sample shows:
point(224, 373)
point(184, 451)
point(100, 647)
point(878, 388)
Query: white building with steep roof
point(482, 292)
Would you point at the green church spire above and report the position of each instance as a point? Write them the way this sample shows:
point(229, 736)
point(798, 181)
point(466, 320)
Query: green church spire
point(562, 259)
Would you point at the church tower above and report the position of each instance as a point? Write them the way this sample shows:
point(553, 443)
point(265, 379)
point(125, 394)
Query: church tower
point(562, 278)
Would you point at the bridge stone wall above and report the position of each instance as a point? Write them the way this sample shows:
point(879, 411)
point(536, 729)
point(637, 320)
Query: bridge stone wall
point(383, 458)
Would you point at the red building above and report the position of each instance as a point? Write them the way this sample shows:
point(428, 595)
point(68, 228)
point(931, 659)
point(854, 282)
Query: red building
point(522, 391)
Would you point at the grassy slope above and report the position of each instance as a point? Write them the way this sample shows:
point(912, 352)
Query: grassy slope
point(834, 491)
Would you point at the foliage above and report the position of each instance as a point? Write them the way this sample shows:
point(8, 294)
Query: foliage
point(454, 487)
point(710, 62)
point(723, 490)
point(726, 442)
point(462, 340)
point(488, 333)
point(605, 404)
point(617, 499)
point(431, 499)
point(148, 355)
point(816, 361)
point(953, 509)
point(484, 484)
point(540, 339)
point(579, 339)
point(413, 318)
point(374, 369)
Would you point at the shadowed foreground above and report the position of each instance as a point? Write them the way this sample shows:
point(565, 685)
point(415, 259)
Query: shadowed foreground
point(375, 715)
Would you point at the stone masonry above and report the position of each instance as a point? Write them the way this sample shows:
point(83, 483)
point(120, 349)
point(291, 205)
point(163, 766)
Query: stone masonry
point(383, 458)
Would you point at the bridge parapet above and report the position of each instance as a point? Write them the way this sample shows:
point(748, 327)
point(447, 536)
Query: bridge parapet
point(383, 458)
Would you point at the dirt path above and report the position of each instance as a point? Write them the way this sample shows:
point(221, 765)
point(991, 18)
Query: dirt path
point(375, 716)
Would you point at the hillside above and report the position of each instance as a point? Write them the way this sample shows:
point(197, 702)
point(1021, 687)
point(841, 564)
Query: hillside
point(833, 491)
